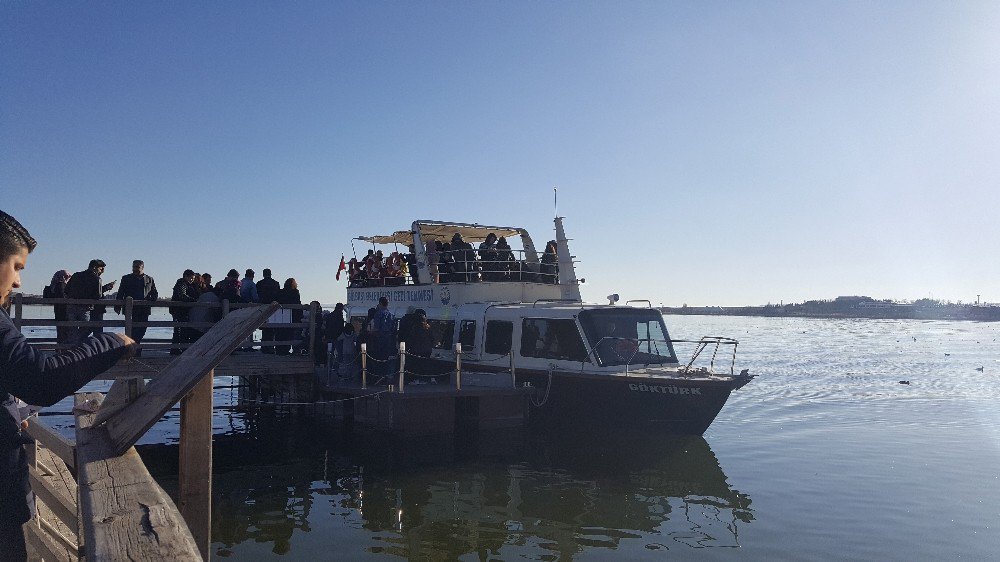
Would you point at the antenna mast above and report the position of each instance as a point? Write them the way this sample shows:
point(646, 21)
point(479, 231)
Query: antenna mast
point(555, 200)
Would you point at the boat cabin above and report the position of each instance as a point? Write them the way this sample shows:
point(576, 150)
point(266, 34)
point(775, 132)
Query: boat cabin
point(497, 307)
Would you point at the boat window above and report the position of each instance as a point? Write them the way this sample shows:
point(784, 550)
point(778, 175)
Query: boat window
point(444, 333)
point(498, 336)
point(467, 335)
point(549, 338)
point(631, 336)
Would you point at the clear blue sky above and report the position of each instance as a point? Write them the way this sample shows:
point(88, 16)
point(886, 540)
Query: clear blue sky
point(706, 152)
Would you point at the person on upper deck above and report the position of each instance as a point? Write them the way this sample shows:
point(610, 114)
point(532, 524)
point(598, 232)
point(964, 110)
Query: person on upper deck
point(465, 259)
point(508, 267)
point(57, 290)
point(549, 270)
point(488, 257)
point(140, 287)
point(355, 274)
point(393, 270)
point(431, 249)
point(446, 265)
point(37, 377)
point(410, 264)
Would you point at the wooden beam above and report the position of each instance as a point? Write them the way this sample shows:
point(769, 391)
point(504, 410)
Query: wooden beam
point(41, 545)
point(48, 438)
point(195, 479)
point(62, 506)
point(124, 513)
point(182, 374)
point(122, 393)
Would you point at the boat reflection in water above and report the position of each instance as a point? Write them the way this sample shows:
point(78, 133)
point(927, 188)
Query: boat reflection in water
point(499, 495)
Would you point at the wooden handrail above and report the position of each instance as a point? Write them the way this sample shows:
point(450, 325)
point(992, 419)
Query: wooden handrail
point(162, 303)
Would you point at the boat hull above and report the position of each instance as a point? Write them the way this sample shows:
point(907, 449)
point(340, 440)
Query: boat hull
point(623, 403)
point(610, 403)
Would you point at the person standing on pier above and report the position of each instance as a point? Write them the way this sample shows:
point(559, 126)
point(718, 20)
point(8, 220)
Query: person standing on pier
point(57, 290)
point(140, 287)
point(86, 284)
point(267, 292)
point(248, 289)
point(184, 291)
point(37, 377)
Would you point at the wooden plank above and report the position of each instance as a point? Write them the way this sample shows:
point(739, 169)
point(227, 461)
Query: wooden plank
point(124, 513)
point(122, 392)
point(182, 374)
point(195, 478)
point(41, 545)
point(62, 506)
point(48, 438)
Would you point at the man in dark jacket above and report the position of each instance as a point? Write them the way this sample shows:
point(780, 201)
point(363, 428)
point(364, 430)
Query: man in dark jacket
point(267, 292)
point(37, 377)
point(140, 287)
point(86, 284)
point(184, 291)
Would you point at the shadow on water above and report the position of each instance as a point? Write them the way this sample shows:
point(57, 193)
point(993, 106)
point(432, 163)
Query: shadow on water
point(300, 487)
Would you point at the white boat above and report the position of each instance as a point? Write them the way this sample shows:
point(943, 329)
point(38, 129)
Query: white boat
point(519, 322)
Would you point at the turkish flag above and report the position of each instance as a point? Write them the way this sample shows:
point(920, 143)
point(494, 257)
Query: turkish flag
point(343, 267)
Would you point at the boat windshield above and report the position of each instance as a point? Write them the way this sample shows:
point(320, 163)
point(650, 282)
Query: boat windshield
point(627, 336)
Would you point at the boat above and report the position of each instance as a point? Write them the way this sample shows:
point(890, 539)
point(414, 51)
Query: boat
point(517, 318)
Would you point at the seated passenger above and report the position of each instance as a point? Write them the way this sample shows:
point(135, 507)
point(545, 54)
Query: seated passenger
point(393, 270)
point(410, 264)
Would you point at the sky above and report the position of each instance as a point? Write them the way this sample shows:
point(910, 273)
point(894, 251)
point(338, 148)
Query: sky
point(706, 153)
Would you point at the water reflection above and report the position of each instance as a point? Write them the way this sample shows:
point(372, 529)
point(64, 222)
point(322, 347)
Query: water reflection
point(303, 491)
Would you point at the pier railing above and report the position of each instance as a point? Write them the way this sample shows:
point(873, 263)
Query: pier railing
point(114, 509)
point(287, 334)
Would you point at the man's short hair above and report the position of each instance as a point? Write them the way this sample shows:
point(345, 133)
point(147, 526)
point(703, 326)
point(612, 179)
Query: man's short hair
point(96, 263)
point(188, 273)
point(383, 301)
point(13, 236)
point(233, 273)
point(267, 272)
point(249, 273)
point(138, 262)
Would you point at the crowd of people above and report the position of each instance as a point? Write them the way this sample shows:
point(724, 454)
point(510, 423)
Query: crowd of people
point(453, 262)
point(191, 287)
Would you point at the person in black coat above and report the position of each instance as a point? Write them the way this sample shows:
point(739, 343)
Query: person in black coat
point(140, 287)
point(36, 377)
point(289, 294)
point(184, 291)
point(86, 284)
point(267, 292)
point(57, 290)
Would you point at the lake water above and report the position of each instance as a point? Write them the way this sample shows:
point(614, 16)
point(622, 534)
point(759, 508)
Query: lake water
point(824, 456)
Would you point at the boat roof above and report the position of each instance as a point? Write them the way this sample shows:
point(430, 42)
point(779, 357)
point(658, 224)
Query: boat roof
point(440, 230)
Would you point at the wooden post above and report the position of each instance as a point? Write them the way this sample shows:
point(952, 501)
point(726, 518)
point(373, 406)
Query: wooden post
point(225, 307)
point(402, 365)
point(313, 326)
point(458, 366)
point(364, 365)
point(195, 480)
point(17, 310)
point(128, 316)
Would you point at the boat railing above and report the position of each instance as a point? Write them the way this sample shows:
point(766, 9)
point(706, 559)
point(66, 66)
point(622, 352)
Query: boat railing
point(462, 266)
point(715, 342)
point(398, 369)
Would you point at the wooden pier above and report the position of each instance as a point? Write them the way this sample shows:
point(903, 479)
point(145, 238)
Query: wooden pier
point(122, 513)
point(113, 509)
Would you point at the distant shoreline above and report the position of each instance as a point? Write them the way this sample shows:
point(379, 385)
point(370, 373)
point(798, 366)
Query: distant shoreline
point(853, 307)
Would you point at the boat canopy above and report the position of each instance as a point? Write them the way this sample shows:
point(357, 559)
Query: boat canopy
point(433, 230)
